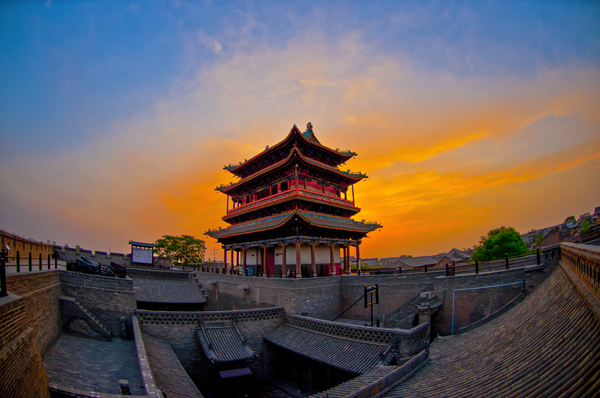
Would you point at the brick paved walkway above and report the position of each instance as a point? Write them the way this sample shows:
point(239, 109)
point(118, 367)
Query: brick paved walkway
point(94, 365)
point(547, 346)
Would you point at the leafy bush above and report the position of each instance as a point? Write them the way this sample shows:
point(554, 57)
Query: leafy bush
point(183, 250)
point(498, 243)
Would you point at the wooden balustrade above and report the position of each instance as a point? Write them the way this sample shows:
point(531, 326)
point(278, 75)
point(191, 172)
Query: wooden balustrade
point(285, 194)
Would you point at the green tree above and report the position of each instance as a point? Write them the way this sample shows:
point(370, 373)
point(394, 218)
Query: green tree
point(183, 250)
point(538, 239)
point(498, 243)
point(585, 226)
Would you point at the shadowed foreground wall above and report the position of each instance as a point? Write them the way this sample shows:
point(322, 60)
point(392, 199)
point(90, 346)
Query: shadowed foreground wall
point(29, 324)
point(106, 297)
point(40, 292)
point(179, 330)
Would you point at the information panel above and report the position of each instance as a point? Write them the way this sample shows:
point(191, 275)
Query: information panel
point(142, 256)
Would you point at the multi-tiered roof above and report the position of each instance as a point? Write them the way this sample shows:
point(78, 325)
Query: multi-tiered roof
point(294, 188)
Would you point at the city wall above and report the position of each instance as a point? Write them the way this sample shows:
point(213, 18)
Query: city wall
point(29, 324)
point(69, 254)
point(40, 292)
point(326, 298)
point(22, 372)
point(314, 297)
point(394, 291)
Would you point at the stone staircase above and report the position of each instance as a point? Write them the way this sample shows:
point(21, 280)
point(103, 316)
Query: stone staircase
point(200, 288)
point(548, 345)
point(72, 310)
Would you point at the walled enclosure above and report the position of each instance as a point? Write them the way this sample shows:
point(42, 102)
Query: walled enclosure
point(179, 330)
point(317, 297)
point(326, 298)
point(107, 298)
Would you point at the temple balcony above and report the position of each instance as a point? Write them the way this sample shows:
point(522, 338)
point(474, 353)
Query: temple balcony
point(293, 193)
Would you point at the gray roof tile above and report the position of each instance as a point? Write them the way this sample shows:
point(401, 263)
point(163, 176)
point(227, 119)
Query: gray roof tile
point(350, 355)
point(223, 344)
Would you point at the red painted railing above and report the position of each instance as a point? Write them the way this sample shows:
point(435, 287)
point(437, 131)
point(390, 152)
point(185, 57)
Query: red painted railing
point(288, 193)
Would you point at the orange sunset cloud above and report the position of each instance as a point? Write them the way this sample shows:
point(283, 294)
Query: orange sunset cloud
point(448, 157)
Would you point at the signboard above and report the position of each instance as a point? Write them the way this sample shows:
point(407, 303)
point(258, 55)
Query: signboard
point(143, 256)
point(141, 253)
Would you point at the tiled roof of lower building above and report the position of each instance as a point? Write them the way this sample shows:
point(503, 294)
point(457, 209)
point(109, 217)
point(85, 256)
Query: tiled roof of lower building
point(350, 355)
point(223, 343)
point(154, 290)
point(170, 376)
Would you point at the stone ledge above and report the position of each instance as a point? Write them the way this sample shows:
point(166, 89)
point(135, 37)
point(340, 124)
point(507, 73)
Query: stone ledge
point(145, 370)
point(383, 385)
point(9, 302)
point(74, 392)
point(589, 251)
point(42, 289)
point(100, 288)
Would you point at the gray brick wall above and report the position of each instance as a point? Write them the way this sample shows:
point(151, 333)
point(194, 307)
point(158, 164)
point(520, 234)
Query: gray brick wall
point(318, 297)
point(179, 330)
point(106, 297)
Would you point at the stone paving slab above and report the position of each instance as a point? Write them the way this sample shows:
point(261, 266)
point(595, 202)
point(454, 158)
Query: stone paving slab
point(94, 365)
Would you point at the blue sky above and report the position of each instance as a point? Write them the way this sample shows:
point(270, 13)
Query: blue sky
point(150, 99)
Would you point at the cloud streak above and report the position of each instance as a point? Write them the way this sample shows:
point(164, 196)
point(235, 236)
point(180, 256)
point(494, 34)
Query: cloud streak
point(439, 148)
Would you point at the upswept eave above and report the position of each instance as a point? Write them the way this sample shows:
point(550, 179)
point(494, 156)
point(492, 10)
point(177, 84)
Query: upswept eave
point(233, 168)
point(312, 218)
point(348, 174)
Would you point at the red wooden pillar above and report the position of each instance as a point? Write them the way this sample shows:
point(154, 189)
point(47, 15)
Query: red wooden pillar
point(296, 176)
point(358, 258)
point(298, 257)
point(232, 263)
point(313, 264)
point(264, 261)
point(331, 260)
point(283, 260)
point(244, 260)
point(347, 257)
point(225, 261)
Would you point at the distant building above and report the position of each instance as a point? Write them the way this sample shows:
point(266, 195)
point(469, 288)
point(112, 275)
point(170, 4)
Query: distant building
point(20, 246)
point(453, 256)
point(408, 263)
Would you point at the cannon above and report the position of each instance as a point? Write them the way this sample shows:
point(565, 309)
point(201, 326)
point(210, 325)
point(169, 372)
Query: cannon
point(87, 266)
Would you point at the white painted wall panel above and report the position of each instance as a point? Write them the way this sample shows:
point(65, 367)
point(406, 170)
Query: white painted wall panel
point(321, 254)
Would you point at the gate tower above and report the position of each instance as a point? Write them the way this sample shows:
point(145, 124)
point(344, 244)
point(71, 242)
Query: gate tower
point(291, 211)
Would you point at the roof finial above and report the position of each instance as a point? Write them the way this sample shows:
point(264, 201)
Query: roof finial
point(309, 127)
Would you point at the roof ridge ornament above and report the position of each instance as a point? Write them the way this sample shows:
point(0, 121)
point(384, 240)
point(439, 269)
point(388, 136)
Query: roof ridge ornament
point(309, 127)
